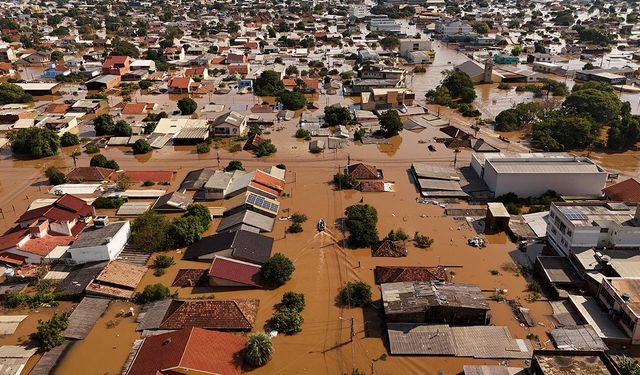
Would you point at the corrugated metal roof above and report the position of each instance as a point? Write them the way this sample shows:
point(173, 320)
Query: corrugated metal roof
point(542, 167)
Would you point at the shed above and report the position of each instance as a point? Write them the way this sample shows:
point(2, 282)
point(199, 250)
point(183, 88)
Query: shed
point(84, 317)
point(497, 216)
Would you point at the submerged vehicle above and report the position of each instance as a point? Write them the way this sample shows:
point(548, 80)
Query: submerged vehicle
point(321, 225)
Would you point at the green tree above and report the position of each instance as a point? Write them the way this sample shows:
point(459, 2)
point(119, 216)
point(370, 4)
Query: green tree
point(266, 148)
point(390, 122)
point(292, 100)
point(12, 93)
point(234, 165)
point(291, 70)
point(390, 42)
point(69, 139)
point(163, 261)
point(355, 294)
point(480, 28)
point(518, 117)
point(152, 293)
point(268, 84)
point(456, 82)
point(294, 301)
point(278, 269)
point(602, 107)
point(361, 222)
point(149, 232)
point(286, 320)
point(56, 55)
point(49, 332)
point(187, 106)
point(258, 349)
point(337, 115)
point(142, 146)
point(104, 125)
point(122, 129)
point(55, 176)
point(344, 181)
point(559, 131)
point(36, 142)
point(185, 231)
point(121, 47)
point(201, 212)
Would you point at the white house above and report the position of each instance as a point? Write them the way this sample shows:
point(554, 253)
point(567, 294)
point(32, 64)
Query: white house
point(100, 243)
point(229, 124)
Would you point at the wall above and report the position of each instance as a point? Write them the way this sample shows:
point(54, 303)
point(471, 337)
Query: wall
point(103, 252)
point(536, 184)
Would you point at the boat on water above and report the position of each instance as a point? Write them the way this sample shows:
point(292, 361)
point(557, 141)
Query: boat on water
point(321, 225)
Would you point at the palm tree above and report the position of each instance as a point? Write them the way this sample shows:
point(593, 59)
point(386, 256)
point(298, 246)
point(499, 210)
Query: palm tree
point(258, 349)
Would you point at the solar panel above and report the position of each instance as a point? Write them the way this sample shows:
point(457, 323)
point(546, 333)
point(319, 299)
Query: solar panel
point(262, 202)
point(573, 214)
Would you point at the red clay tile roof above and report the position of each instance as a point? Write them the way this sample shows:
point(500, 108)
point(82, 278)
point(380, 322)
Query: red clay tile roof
point(11, 238)
point(189, 277)
point(90, 174)
point(371, 186)
point(142, 176)
point(312, 83)
point(195, 71)
point(237, 314)
point(57, 108)
point(180, 82)
point(5, 67)
point(397, 274)
point(288, 82)
point(263, 178)
point(239, 68)
point(66, 208)
point(191, 348)
point(134, 108)
point(627, 191)
point(236, 271)
point(44, 245)
point(115, 60)
point(388, 248)
point(362, 171)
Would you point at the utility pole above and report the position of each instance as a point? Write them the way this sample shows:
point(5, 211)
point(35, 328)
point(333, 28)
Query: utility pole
point(353, 332)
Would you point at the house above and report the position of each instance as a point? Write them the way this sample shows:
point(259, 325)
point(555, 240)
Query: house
point(241, 69)
point(116, 65)
point(87, 105)
point(14, 358)
point(53, 70)
point(497, 216)
point(479, 72)
point(145, 65)
point(118, 279)
point(103, 82)
point(200, 72)
point(382, 99)
point(531, 175)
point(455, 30)
point(621, 299)
point(100, 242)
point(388, 248)
point(180, 85)
point(219, 314)
point(60, 217)
point(217, 186)
point(229, 272)
point(241, 244)
point(229, 124)
point(246, 220)
point(417, 51)
point(172, 202)
point(7, 53)
point(361, 171)
point(59, 124)
point(236, 58)
point(195, 180)
point(575, 226)
point(182, 352)
point(553, 362)
point(505, 59)
point(434, 303)
point(40, 88)
point(254, 202)
point(627, 191)
point(37, 58)
point(175, 53)
point(383, 275)
point(6, 69)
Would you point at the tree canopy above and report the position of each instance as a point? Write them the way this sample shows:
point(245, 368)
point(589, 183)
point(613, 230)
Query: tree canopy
point(278, 269)
point(268, 84)
point(36, 142)
point(292, 100)
point(337, 115)
point(390, 122)
point(187, 106)
point(12, 93)
point(361, 222)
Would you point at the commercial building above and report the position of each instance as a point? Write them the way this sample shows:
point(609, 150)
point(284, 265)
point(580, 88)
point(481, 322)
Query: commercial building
point(383, 24)
point(358, 11)
point(531, 175)
point(416, 51)
point(585, 225)
point(621, 298)
point(99, 243)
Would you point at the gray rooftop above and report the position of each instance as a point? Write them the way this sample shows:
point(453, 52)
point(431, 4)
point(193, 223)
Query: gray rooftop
point(250, 218)
point(97, 236)
point(407, 297)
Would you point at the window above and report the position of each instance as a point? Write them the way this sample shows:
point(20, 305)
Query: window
point(604, 230)
point(552, 215)
point(569, 232)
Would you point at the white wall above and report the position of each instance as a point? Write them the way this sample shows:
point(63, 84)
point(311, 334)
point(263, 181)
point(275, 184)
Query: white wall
point(535, 184)
point(103, 252)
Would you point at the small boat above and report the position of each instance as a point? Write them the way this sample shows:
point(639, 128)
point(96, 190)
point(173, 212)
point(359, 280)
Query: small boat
point(321, 225)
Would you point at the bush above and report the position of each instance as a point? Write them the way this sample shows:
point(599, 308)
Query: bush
point(152, 293)
point(187, 106)
point(108, 203)
point(145, 84)
point(337, 115)
point(467, 110)
point(258, 349)
point(281, 166)
point(266, 148)
point(55, 176)
point(163, 261)
point(149, 232)
point(361, 222)
point(303, 133)
point(159, 272)
point(202, 148)
point(422, 241)
point(278, 269)
point(69, 139)
point(236, 147)
point(295, 228)
point(399, 235)
point(298, 218)
point(292, 100)
point(148, 183)
point(234, 165)
point(504, 86)
point(419, 69)
point(344, 181)
point(102, 161)
point(287, 321)
point(294, 301)
point(355, 294)
point(49, 332)
point(91, 149)
point(141, 146)
point(36, 142)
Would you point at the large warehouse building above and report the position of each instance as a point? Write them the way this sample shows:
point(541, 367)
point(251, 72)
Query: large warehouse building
point(531, 175)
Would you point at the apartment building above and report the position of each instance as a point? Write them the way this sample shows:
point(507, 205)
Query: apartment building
point(621, 298)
